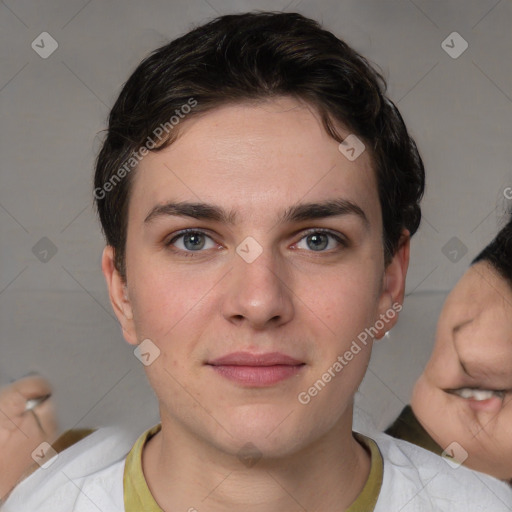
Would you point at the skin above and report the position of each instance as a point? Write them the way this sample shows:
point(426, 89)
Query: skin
point(473, 349)
point(257, 160)
point(20, 433)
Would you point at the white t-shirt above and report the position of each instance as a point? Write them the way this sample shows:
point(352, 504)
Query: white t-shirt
point(88, 477)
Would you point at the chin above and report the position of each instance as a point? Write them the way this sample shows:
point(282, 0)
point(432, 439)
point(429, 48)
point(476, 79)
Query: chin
point(264, 448)
point(273, 432)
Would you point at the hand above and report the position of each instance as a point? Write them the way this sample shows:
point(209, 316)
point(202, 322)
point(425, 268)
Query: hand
point(22, 430)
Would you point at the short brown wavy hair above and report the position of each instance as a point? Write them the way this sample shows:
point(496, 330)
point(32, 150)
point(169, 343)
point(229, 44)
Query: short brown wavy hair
point(256, 56)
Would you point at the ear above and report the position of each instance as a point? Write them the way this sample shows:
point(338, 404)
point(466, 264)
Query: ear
point(393, 289)
point(118, 294)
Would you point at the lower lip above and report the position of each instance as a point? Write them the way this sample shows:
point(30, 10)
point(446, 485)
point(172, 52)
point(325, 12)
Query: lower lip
point(492, 404)
point(257, 376)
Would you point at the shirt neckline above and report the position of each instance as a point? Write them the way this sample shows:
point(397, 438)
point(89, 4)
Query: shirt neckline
point(137, 495)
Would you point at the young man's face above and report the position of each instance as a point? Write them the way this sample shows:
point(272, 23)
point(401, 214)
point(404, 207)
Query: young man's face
point(257, 302)
point(465, 392)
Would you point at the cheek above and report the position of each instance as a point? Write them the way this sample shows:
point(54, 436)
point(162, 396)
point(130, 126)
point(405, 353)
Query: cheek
point(153, 307)
point(340, 312)
point(163, 301)
point(347, 301)
point(505, 437)
point(175, 309)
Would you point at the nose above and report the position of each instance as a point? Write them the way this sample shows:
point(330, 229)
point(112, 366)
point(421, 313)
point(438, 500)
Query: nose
point(259, 293)
point(487, 347)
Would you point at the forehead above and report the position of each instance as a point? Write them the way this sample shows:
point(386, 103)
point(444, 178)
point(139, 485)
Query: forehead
point(255, 155)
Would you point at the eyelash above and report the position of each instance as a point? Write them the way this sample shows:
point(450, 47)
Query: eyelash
point(343, 243)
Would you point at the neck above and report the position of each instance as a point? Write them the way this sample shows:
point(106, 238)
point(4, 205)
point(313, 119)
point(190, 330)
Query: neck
point(187, 473)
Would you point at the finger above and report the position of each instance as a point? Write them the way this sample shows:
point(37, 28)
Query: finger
point(34, 402)
point(32, 387)
point(46, 416)
point(12, 407)
point(13, 399)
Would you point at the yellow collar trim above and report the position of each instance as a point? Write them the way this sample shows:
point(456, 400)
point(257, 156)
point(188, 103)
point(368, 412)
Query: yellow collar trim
point(137, 496)
point(368, 497)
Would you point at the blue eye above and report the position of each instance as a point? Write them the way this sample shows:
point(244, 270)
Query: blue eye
point(320, 241)
point(192, 241)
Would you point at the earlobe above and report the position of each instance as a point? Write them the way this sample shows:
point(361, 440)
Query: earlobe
point(118, 294)
point(393, 290)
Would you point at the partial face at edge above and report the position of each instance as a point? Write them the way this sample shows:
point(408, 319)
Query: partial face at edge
point(302, 288)
point(473, 351)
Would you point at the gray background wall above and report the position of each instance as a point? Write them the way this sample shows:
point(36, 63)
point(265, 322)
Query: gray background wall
point(55, 317)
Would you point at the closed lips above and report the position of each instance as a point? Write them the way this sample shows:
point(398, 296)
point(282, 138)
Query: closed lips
point(256, 370)
point(247, 359)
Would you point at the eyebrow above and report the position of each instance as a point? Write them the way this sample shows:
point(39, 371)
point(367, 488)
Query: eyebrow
point(295, 213)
